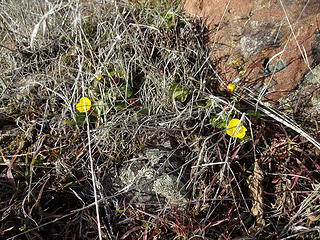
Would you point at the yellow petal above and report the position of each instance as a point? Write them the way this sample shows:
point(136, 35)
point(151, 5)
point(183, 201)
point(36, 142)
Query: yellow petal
point(84, 105)
point(233, 123)
point(241, 133)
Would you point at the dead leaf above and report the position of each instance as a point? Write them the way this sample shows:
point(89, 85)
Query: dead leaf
point(256, 191)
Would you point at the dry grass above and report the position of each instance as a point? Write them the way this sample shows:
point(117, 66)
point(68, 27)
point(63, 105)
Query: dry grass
point(148, 73)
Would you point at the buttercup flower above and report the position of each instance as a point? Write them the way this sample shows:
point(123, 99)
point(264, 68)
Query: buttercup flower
point(231, 87)
point(99, 77)
point(236, 129)
point(84, 105)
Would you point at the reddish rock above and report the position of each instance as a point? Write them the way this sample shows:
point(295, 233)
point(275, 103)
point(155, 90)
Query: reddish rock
point(246, 34)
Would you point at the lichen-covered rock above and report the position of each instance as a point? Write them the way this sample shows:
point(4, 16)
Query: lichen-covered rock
point(263, 43)
point(306, 97)
point(152, 179)
point(311, 85)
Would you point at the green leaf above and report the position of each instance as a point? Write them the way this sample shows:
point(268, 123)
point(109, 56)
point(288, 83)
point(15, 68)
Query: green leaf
point(80, 118)
point(144, 111)
point(120, 105)
point(314, 218)
point(120, 73)
point(127, 91)
point(178, 93)
point(68, 184)
point(111, 72)
point(217, 122)
point(253, 114)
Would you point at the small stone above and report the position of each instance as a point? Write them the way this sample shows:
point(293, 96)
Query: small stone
point(276, 65)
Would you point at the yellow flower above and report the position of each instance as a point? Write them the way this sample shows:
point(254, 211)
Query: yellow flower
point(99, 77)
point(84, 105)
point(231, 87)
point(236, 129)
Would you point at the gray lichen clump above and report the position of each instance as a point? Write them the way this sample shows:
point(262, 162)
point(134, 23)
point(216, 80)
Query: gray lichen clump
point(152, 178)
point(254, 39)
point(166, 186)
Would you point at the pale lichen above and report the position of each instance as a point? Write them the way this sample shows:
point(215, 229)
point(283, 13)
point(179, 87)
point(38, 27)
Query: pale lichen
point(166, 186)
point(152, 175)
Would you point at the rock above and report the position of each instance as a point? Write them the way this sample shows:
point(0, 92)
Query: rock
point(307, 103)
point(252, 41)
point(152, 179)
point(311, 86)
